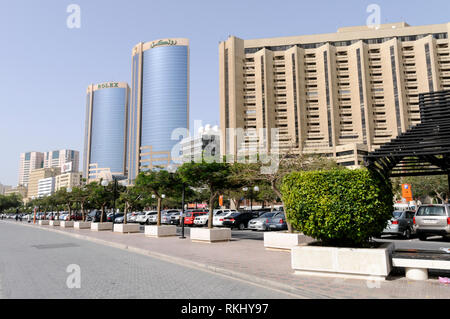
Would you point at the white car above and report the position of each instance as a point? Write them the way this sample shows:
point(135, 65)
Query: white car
point(201, 220)
point(146, 217)
point(220, 214)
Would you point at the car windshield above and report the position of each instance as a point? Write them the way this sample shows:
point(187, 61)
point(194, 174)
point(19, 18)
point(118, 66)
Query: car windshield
point(431, 211)
point(188, 214)
point(397, 214)
point(267, 215)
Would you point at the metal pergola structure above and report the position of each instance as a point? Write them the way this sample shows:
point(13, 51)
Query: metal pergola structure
point(422, 150)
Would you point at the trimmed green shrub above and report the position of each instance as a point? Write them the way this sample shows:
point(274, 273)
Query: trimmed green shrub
point(338, 207)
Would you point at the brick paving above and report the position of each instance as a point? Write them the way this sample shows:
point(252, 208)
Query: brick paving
point(250, 261)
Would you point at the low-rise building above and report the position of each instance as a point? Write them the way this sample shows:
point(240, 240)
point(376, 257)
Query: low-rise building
point(46, 186)
point(37, 175)
point(206, 143)
point(20, 190)
point(67, 180)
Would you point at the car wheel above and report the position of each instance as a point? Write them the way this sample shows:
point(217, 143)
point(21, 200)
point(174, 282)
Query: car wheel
point(241, 226)
point(407, 233)
point(422, 237)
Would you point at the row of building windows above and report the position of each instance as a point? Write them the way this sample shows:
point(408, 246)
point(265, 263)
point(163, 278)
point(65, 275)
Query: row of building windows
point(443, 35)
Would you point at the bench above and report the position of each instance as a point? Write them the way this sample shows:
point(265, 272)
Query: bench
point(417, 262)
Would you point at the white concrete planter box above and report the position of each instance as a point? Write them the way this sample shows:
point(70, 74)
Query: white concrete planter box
point(43, 222)
point(82, 225)
point(101, 226)
point(359, 263)
point(282, 240)
point(67, 223)
point(127, 228)
point(160, 231)
point(54, 222)
point(210, 235)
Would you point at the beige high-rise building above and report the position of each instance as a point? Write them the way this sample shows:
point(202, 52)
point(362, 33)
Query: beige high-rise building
point(339, 94)
point(29, 161)
point(67, 160)
point(37, 175)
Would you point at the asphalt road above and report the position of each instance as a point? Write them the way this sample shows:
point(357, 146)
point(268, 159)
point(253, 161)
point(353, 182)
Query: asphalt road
point(34, 264)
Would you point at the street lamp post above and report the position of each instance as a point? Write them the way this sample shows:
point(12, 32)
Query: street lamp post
point(69, 190)
point(104, 183)
point(172, 169)
point(254, 189)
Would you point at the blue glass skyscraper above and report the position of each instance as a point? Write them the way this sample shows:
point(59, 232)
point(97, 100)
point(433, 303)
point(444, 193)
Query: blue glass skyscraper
point(159, 102)
point(106, 130)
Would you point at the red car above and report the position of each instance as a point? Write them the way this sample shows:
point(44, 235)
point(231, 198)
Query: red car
point(190, 215)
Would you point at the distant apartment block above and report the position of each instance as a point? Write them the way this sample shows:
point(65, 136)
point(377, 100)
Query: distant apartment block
point(4, 188)
point(67, 160)
point(19, 190)
point(340, 94)
point(206, 142)
point(29, 161)
point(68, 180)
point(36, 176)
point(46, 187)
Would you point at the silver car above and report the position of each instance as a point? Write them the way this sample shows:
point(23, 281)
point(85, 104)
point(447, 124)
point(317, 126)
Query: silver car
point(401, 224)
point(260, 223)
point(432, 220)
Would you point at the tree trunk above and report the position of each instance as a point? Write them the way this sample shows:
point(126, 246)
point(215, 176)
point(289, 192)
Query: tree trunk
point(278, 193)
point(211, 210)
point(102, 213)
point(82, 212)
point(125, 213)
point(158, 217)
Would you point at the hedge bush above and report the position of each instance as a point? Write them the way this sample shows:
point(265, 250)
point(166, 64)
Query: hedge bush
point(338, 207)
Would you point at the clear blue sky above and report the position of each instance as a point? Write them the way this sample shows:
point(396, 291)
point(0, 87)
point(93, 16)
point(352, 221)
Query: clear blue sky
point(46, 67)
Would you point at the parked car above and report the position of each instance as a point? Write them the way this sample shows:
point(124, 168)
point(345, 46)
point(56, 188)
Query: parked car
point(144, 218)
point(175, 218)
point(94, 216)
point(133, 217)
point(401, 224)
point(166, 215)
point(261, 222)
point(277, 222)
point(119, 218)
point(432, 220)
point(191, 214)
point(220, 214)
point(239, 219)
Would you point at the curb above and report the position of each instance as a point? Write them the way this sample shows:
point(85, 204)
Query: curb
point(249, 279)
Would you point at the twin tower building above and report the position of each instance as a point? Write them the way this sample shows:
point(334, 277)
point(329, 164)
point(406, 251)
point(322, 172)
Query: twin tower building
point(128, 130)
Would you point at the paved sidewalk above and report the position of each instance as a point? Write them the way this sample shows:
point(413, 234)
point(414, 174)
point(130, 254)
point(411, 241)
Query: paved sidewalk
point(248, 260)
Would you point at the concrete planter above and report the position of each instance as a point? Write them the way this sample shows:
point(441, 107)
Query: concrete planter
point(54, 222)
point(82, 225)
point(210, 235)
point(43, 222)
point(359, 263)
point(127, 228)
point(284, 240)
point(101, 226)
point(67, 224)
point(160, 231)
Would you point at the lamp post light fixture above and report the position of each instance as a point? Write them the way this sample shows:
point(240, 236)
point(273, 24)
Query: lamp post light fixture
point(254, 189)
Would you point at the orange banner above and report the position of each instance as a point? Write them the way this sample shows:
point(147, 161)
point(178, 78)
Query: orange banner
point(407, 192)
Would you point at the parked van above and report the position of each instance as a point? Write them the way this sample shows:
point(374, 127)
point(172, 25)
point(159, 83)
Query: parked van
point(432, 220)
